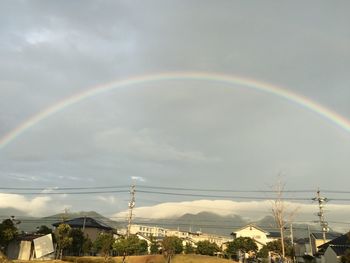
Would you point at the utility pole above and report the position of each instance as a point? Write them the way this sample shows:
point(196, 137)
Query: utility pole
point(131, 207)
point(324, 225)
point(292, 241)
point(310, 244)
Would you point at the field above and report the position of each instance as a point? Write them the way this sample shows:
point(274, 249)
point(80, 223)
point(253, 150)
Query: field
point(139, 259)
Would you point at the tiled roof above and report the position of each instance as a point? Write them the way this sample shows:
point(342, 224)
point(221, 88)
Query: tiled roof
point(342, 240)
point(80, 222)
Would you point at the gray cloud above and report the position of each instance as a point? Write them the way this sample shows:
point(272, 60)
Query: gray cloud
point(189, 133)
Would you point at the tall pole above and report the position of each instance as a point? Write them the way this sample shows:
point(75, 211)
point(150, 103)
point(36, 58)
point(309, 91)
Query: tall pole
point(324, 225)
point(292, 241)
point(131, 207)
point(310, 244)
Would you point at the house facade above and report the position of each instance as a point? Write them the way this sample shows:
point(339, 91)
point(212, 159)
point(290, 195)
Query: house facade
point(89, 226)
point(317, 240)
point(259, 235)
point(187, 236)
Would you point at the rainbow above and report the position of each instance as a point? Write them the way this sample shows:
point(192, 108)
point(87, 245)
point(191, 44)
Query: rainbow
point(300, 100)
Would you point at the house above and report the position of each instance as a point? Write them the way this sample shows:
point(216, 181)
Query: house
point(90, 227)
point(302, 249)
point(331, 251)
point(259, 235)
point(333, 254)
point(316, 240)
point(199, 236)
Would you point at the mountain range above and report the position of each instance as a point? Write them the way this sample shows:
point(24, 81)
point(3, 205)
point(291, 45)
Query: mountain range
point(206, 222)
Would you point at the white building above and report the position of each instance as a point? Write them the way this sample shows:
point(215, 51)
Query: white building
point(260, 236)
point(148, 230)
point(159, 232)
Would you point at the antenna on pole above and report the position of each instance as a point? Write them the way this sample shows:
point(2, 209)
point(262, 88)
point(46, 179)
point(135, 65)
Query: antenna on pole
point(131, 207)
point(324, 225)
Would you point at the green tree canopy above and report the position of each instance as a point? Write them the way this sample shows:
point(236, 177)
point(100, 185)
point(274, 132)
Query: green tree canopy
point(130, 246)
point(8, 232)
point(244, 244)
point(276, 247)
point(171, 245)
point(155, 246)
point(104, 244)
point(189, 249)
point(78, 240)
point(63, 238)
point(207, 248)
point(44, 230)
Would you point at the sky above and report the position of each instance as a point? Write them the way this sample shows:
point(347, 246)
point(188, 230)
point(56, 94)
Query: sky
point(185, 133)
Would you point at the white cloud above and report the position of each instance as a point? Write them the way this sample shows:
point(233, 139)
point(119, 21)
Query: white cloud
point(252, 210)
point(138, 178)
point(39, 36)
point(34, 207)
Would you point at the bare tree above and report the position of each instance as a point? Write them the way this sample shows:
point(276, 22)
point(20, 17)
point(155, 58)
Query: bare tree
point(282, 215)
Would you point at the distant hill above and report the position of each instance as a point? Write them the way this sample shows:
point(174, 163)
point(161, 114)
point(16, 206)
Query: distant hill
point(206, 222)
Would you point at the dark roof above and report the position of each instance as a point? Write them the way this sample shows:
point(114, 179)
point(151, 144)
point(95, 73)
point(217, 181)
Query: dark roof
point(342, 240)
point(80, 222)
point(329, 235)
point(340, 250)
point(274, 234)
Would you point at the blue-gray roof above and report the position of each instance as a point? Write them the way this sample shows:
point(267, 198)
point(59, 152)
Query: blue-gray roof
point(81, 222)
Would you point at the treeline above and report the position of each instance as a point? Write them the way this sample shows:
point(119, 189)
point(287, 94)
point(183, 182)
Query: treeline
point(72, 242)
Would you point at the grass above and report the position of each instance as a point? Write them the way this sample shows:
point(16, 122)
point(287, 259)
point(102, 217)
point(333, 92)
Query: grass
point(137, 259)
point(150, 259)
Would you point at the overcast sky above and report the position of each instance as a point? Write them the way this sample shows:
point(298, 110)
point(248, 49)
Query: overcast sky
point(178, 133)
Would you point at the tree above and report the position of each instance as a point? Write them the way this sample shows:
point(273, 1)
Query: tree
point(78, 240)
point(207, 248)
point(171, 245)
point(263, 252)
point(8, 232)
point(64, 240)
point(104, 244)
point(154, 247)
point(130, 246)
point(87, 246)
point(189, 249)
point(243, 244)
point(44, 230)
point(280, 214)
point(275, 246)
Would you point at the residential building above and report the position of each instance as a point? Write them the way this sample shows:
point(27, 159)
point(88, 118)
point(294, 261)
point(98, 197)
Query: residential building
point(145, 231)
point(259, 235)
point(90, 226)
point(317, 240)
point(332, 251)
point(148, 231)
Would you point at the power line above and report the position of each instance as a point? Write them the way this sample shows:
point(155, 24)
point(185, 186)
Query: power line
point(54, 188)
